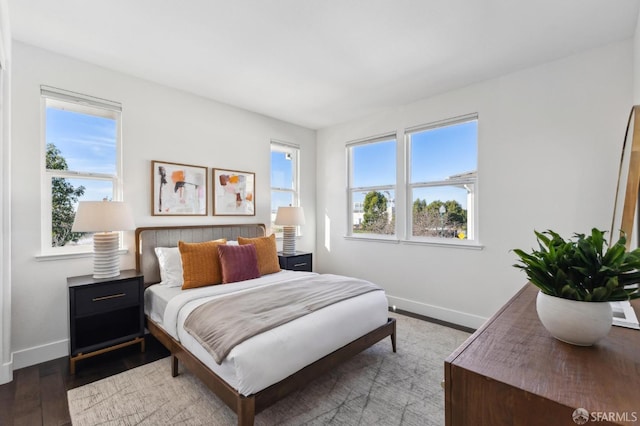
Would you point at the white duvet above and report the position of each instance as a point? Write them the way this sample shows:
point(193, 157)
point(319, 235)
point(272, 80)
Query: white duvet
point(267, 358)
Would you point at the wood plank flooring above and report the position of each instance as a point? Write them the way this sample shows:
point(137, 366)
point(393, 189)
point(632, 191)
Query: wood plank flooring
point(38, 394)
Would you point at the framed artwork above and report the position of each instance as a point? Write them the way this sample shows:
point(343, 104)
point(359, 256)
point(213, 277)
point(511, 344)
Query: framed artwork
point(233, 193)
point(179, 189)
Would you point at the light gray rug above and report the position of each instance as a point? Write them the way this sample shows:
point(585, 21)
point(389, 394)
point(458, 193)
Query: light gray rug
point(376, 387)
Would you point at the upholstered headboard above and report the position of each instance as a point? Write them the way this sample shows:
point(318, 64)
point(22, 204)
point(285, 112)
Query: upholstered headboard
point(148, 238)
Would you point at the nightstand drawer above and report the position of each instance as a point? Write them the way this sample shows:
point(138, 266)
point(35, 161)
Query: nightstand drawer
point(296, 262)
point(99, 298)
point(300, 263)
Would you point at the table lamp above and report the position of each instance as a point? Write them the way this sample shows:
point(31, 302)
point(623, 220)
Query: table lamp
point(289, 218)
point(104, 219)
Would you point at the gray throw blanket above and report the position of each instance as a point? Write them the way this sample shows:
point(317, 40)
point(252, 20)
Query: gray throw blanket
point(221, 324)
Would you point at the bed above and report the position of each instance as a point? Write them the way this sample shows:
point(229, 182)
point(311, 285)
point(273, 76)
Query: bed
point(289, 355)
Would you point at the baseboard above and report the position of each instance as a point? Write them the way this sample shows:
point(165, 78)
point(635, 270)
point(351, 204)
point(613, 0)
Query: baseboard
point(42, 353)
point(6, 373)
point(59, 349)
point(443, 314)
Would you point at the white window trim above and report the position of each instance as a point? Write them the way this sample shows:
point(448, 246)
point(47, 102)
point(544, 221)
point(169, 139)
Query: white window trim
point(384, 137)
point(470, 223)
point(410, 186)
point(287, 147)
point(404, 222)
point(295, 149)
point(88, 105)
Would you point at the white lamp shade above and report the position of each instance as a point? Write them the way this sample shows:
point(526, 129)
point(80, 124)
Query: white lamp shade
point(290, 216)
point(103, 216)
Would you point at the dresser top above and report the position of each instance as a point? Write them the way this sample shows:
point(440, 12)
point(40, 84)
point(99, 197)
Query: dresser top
point(514, 348)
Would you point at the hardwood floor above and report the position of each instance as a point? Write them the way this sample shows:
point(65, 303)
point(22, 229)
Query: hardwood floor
point(38, 394)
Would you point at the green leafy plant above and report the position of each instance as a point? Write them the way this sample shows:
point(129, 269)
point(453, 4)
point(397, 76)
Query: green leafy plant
point(585, 268)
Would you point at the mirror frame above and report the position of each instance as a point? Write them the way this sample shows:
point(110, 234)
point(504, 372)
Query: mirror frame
point(628, 180)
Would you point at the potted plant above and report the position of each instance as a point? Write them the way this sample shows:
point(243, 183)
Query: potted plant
point(577, 278)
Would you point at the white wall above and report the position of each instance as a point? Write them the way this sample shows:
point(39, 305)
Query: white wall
point(159, 123)
point(549, 146)
point(549, 140)
point(6, 363)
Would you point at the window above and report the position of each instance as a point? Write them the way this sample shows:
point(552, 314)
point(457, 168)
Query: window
point(284, 179)
point(372, 186)
point(442, 161)
point(438, 175)
point(81, 152)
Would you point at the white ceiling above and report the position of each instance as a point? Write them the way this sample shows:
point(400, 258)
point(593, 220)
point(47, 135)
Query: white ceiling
point(320, 62)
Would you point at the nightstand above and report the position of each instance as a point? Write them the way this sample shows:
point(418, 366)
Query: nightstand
point(104, 314)
point(300, 261)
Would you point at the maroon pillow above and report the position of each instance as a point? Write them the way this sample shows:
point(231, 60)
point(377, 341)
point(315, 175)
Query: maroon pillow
point(238, 263)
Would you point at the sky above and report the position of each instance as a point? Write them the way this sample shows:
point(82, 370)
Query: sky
point(88, 143)
point(436, 154)
point(281, 177)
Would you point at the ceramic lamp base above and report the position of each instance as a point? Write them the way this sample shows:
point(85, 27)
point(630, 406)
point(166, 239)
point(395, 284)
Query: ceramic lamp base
point(289, 240)
point(106, 263)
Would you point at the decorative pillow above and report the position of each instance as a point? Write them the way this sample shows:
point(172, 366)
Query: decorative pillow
point(267, 253)
point(238, 263)
point(200, 263)
point(170, 266)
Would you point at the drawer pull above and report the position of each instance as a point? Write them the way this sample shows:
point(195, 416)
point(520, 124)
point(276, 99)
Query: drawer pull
point(113, 296)
point(299, 264)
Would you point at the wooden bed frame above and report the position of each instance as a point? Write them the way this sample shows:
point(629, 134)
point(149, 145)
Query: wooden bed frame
point(246, 407)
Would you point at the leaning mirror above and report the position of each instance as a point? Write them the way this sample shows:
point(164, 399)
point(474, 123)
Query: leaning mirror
point(625, 209)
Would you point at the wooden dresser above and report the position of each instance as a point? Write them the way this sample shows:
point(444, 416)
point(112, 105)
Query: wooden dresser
point(512, 372)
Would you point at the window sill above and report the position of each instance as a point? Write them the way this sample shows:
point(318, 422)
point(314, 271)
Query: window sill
point(371, 237)
point(434, 243)
point(445, 243)
point(45, 257)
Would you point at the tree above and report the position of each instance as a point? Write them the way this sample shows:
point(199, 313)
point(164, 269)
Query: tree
point(63, 197)
point(419, 206)
point(427, 220)
point(456, 215)
point(376, 218)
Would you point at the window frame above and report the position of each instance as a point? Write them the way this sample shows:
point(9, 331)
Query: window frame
point(386, 137)
point(403, 190)
point(462, 179)
point(83, 104)
point(294, 150)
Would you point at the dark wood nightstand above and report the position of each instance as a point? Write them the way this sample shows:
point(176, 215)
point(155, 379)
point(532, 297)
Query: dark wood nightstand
point(104, 314)
point(300, 261)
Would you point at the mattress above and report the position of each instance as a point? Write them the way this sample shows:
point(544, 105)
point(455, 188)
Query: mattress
point(267, 358)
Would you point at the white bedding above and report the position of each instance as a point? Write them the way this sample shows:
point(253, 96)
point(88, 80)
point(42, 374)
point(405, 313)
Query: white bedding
point(274, 355)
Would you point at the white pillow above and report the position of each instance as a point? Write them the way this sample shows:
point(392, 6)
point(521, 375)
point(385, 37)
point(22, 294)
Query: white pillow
point(170, 266)
point(232, 243)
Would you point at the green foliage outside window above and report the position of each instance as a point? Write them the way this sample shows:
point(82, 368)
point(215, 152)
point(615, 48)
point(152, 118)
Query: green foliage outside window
point(63, 198)
point(376, 218)
point(428, 221)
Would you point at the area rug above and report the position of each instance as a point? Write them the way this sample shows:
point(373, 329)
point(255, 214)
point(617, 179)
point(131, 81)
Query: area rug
point(376, 387)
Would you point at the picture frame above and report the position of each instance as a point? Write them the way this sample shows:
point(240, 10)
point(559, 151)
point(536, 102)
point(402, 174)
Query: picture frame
point(179, 189)
point(233, 193)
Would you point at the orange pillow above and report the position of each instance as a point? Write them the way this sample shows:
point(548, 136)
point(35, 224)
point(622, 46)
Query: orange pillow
point(200, 263)
point(267, 253)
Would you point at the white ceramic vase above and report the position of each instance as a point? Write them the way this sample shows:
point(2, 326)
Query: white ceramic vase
point(578, 323)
